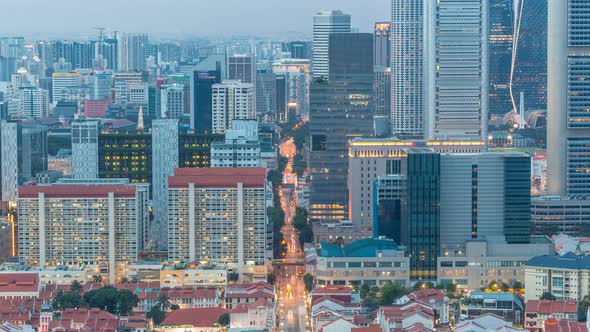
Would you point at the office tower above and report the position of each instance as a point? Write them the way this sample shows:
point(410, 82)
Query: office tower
point(172, 101)
point(125, 154)
point(231, 100)
point(9, 161)
point(340, 109)
point(568, 127)
point(165, 159)
point(195, 149)
point(122, 82)
point(201, 91)
point(296, 72)
point(243, 67)
point(372, 158)
point(85, 149)
point(325, 23)
point(281, 98)
point(91, 223)
point(136, 53)
point(102, 82)
point(265, 91)
point(456, 69)
point(407, 30)
point(552, 215)
point(382, 44)
point(501, 38)
point(485, 196)
point(138, 94)
point(241, 147)
point(33, 102)
point(422, 229)
point(62, 83)
point(382, 91)
point(218, 215)
point(184, 80)
point(299, 49)
point(32, 150)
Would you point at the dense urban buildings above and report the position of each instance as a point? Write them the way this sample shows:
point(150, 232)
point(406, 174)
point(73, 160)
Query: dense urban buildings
point(232, 100)
point(325, 23)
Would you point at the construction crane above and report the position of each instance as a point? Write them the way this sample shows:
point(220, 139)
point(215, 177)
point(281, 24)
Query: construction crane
point(101, 31)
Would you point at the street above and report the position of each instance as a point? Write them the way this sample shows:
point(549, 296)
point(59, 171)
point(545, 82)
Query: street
point(292, 296)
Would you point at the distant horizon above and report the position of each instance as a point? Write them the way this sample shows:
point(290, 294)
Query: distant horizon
point(180, 19)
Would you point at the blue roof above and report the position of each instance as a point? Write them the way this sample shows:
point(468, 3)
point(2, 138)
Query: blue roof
point(567, 261)
point(360, 248)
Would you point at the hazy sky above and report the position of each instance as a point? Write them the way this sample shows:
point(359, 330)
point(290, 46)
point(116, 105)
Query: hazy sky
point(74, 18)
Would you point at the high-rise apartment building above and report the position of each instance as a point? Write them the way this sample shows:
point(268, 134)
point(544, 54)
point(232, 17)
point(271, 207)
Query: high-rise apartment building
point(568, 131)
point(85, 149)
point(325, 23)
point(62, 83)
point(69, 224)
point(340, 110)
point(241, 147)
point(382, 44)
point(266, 91)
point(242, 67)
point(456, 69)
point(102, 83)
point(136, 51)
point(165, 159)
point(218, 215)
point(382, 91)
point(407, 30)
point(33, 102)
point(172, 101)
point(9, 161)
point(232, 100)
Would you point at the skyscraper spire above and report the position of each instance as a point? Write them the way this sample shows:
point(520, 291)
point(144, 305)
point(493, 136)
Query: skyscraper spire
point(140, 120)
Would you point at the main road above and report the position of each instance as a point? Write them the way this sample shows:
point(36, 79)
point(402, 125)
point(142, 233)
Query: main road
point(291, 290)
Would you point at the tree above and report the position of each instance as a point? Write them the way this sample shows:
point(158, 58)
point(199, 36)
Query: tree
point(163, 302)
point(97, 278)
point(156, 315)
point(583, 308)
point(124, 280)
point(308, 281)
point(126, 301)
point(66, 300)
point(364, 291)
point(300, 219)
point(272, 278)
point(418, 286)
point(505, 287)
point(391, 292)
point(112, 300)
point(174, 306)
point(548, 296)
point(451, 288)
point(370, 303)
point(493, 286)
point(223, 320)
point(517, 286)
point(233, 276)
point(76, 287)
point(430, 285)
point(306, 235)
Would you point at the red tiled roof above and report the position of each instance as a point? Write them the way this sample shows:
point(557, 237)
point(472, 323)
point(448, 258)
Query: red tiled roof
point(76, 191)
point(217, 177)
point(427, 295)
point(19, 282)
point(549, 306)
point(331, 299)
point(243, 307)
point(553, 325)
point(198, 317)
point(372, 328)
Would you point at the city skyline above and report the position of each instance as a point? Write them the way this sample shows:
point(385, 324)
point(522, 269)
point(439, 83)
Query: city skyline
point(179, 19)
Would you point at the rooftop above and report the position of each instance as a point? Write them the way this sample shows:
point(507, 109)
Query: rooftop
point(360, 248)
point(76, 191)
point(568, 261)
point(199, 317)
point(217, 177)
point(548, 306)
point(19, 282)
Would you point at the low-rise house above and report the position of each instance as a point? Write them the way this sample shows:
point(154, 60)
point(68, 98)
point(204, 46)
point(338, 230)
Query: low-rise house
point(486, 323)
point(338, 325)
point(435, 298)
point(566, 277)
point(193, 320)
point(505, 305)
point(258, 315)
point(554, 325)
point(19, 285)
point(83, 319)
point(412, 316)
point(338, 292)
point(248, 293)
point(538, 311)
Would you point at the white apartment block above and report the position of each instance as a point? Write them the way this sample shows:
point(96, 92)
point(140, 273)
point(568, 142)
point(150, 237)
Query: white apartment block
point(33, 102)
point(566, 277)
point(72, 224)
point(172, 101)
point(85, 149)
point(62, 83)
point(241, 147)
point(123, 81)
point(9, 162)
point(232, 100)
point(218, 215)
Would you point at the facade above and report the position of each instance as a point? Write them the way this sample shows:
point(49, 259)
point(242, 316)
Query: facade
point(85, 149)
point(266, 90)
point(6, 245)
point(230, 207)
point(538, 311)
point(382, 92)
point(9, 170)
point(370, 261)
point(296, 72)
point(566, 277)
point(407, 93)
point(201, 90)
point(341, 109)
point(242, 67)
point(325, 23)
point(32, 150)
point(125, 155)
point(501, 41)
point(456, 69)
point(232, 100)
point(249, 293)
point(195, 149)
point(172, 101)
point(165, 152)
point(505, 305)
point(479, 262)
point(33, 102)
point(102, 84)
point(382, 44)
point(61, 83)
point(241, 147)
point(568, 131)
point(552, 215)
point(105, 232)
